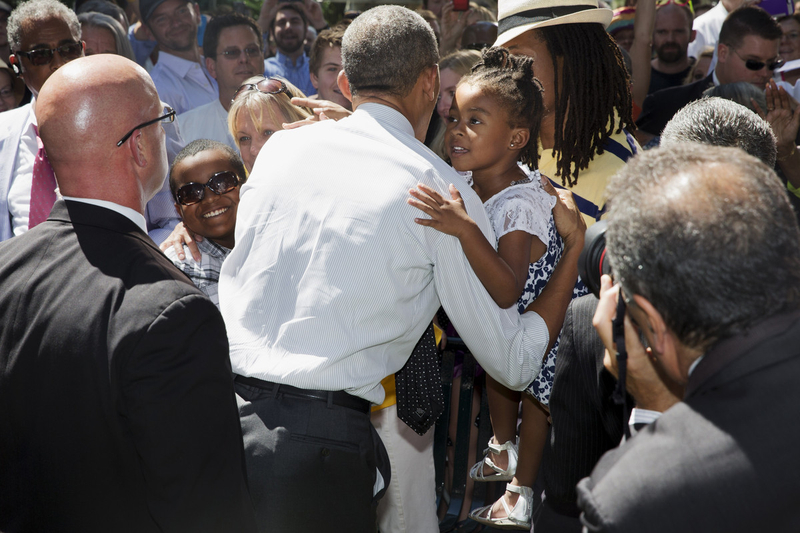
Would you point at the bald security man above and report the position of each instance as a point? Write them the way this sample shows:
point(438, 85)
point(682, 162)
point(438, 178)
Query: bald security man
point(117, 410)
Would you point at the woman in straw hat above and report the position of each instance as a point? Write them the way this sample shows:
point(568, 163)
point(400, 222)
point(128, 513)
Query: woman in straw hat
point(585, 138)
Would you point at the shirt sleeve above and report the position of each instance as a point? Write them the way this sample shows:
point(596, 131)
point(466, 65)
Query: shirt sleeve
point(523, 210)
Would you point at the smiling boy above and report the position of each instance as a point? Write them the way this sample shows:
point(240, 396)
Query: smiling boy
point(204, 180)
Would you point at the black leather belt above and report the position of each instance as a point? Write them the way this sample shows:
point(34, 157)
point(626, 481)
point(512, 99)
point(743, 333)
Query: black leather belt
point(339, 398)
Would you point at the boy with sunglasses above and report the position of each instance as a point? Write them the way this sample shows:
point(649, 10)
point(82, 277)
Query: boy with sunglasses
point(204, 180)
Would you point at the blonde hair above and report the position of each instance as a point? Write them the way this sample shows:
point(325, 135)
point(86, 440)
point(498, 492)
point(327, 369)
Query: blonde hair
point(277, 107)
point(460, 61)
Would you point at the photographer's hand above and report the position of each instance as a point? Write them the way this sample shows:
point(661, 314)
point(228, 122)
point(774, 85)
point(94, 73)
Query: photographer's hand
point(646, 381)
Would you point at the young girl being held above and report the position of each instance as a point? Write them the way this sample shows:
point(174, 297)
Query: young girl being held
point(493, 126)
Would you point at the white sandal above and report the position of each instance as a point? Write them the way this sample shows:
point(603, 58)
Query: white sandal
point(476, 472)
point(517, 518)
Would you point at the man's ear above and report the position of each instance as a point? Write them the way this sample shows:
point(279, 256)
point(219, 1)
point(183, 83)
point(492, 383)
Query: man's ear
point(722, 53)
point(211, 66)
point(692, 36)
point(430, 83)
point(660, 338)
point(344, 85)
point(12, 60)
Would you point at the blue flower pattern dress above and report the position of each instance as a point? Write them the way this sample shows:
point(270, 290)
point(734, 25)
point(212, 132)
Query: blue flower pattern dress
point(526, 206)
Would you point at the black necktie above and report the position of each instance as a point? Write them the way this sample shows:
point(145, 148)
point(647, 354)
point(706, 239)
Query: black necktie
point(420, 400)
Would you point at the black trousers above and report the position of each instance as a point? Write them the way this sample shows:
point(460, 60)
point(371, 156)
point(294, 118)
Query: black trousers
point(311, 465)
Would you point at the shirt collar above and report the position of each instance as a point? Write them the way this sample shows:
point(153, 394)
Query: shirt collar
point(286, 60)
point(132, 215)
point(385, 115)
point(176, 64)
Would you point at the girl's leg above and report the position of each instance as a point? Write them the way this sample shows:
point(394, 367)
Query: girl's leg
point(504, 411)
point(532, 438)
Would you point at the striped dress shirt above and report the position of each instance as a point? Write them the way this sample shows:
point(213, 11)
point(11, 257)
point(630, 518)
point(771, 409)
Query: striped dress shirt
point(331, 282)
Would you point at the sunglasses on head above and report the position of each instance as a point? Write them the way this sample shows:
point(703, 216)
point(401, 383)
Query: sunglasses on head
point(220, 183)
point(753, 64)
point(44, 56)
point(267, 86)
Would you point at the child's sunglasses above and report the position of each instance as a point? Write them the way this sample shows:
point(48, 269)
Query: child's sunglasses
point(220, 183)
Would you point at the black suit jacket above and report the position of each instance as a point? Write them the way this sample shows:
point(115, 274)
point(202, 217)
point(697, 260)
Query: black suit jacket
point(658, 108)
point(117, 410)
point(586, 421)
point(725, 459)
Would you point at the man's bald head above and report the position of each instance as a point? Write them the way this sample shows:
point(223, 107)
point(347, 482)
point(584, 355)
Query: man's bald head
point(83, 109)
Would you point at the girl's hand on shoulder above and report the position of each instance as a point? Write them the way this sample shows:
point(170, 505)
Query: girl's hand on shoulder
point(447, 216)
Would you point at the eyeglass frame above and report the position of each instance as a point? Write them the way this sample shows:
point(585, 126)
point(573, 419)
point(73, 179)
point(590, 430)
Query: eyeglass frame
point(169, 113)
point(52, 51)
point(750, 63)
point(255, 86)
point(206, 186)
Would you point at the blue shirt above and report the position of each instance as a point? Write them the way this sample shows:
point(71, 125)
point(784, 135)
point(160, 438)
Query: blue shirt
point(297, 74)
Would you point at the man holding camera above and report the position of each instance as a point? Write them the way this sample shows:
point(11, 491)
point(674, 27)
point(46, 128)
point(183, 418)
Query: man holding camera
point(706, 250)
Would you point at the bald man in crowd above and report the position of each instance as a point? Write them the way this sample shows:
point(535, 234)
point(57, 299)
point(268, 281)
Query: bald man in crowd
point(118, 411)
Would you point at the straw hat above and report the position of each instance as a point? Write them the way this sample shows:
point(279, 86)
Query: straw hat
point(515, 17)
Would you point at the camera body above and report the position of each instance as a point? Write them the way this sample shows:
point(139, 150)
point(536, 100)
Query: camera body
point(593, 263)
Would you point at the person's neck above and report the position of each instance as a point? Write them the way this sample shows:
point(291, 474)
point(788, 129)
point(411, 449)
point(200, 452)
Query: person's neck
point(490, 181)
point(671, 68)
point(547, 131)
point(192, 54)
point(225, 97)
point(293, 55)
point(419, 120)
point(227, 241)
point(731, 5)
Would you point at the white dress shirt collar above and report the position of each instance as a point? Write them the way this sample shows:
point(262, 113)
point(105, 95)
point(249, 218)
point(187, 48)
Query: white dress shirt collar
point(132, 215)
point(386, 115)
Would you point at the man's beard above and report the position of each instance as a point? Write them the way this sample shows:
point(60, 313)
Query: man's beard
point(670, 53)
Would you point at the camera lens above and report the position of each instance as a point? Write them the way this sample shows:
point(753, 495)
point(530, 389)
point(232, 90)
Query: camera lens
point(591, 262)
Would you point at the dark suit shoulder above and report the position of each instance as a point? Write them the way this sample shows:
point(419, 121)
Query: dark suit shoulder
point(659, 107)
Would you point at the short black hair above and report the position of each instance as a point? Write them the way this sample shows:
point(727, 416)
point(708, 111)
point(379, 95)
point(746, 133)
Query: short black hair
point(217, 24)
point(201, 145)
point(749, 21)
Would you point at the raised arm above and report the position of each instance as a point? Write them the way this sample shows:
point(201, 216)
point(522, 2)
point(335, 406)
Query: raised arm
point(504, 275)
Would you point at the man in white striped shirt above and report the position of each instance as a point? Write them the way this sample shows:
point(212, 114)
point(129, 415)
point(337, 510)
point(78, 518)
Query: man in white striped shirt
point(332, 283)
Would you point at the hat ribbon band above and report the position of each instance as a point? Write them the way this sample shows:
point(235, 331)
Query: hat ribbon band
point(533, 16)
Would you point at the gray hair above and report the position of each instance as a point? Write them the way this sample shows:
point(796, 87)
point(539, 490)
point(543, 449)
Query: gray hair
point(740, 92)
point(99, 20)
point(386, 49)
point(33, 11)
point(707, 235)
point(722, 122)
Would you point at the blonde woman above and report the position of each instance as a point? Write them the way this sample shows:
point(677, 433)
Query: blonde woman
point(261, 107)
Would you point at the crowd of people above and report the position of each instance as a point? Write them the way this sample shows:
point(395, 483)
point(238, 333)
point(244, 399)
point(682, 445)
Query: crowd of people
point(235, 244)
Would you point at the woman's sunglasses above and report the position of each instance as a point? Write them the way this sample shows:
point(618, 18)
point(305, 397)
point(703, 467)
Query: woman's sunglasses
point(220, 183)
point(267, 86)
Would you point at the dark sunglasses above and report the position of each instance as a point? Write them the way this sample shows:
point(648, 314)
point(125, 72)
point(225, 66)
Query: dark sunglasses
point(220, 183)
point(752, 64)
point(267, 86)
point(168, 116)
point(237, 53)
point(45, 56)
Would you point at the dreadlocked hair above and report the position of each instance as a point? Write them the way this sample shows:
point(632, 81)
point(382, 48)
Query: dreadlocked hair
point(509, 80)
point(590, 88)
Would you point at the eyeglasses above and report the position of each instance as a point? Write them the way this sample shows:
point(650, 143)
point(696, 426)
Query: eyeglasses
point(267, 86)
point(44, 56)
point(753, 64)
point(220, 183)
point(250, 51)
point(168, 116)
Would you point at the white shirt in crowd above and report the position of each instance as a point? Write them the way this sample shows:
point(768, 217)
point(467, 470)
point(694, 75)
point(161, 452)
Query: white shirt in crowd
point(183, 84)
point(332, 283)
point(209, 121)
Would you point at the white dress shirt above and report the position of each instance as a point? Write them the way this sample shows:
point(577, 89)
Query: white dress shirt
point(209, 121)
point(707, 27)
point(183, 84)
point(19, 193)
point(332, 283)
